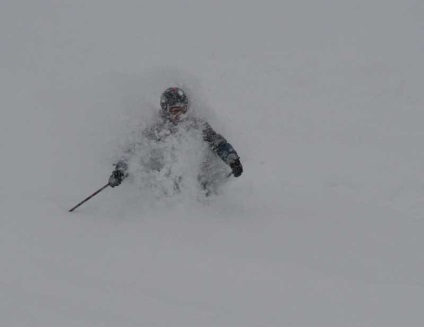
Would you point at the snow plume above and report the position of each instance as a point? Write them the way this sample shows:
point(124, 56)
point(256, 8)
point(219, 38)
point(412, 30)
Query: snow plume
point(170, 167)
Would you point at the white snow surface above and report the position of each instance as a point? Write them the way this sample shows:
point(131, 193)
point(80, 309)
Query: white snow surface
point(321, 99)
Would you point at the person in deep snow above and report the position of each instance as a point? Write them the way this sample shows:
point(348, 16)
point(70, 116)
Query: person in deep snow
point(174, 107)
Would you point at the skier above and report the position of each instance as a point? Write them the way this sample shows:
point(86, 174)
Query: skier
point(174, 110)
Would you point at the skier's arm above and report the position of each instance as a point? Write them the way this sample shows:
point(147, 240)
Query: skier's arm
point(119, 173)
point(121, 167)
point(223, 149)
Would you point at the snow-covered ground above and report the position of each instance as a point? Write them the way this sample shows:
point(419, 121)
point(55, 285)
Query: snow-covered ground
point(323, 102)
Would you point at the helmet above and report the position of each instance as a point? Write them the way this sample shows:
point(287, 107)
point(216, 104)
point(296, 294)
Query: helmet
point(173, 97)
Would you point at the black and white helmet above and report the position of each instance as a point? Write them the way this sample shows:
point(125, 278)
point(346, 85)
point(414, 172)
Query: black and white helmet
point(173, 97)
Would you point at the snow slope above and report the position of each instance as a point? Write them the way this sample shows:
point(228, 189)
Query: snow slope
point(323, 102)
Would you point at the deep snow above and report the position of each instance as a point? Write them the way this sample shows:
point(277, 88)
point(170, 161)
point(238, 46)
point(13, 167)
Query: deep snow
point(321, 99)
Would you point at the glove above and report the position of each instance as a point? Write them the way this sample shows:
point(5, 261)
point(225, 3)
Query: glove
point(236, 167)
point(116, 178)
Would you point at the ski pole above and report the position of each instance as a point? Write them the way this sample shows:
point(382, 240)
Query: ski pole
point(84, 201)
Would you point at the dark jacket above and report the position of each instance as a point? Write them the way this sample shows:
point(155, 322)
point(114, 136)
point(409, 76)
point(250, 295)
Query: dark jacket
point(216, 142)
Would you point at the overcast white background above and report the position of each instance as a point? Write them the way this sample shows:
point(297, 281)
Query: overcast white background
point(323, 102)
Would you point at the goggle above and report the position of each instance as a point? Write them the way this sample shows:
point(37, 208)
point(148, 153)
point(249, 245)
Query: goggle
point(177, 110)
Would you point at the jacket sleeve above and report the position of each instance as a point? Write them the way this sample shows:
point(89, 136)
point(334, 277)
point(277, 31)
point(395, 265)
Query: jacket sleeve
point(122, 164)
point(219, 145)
